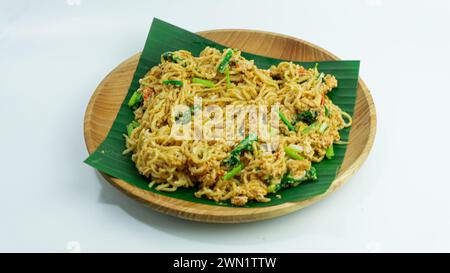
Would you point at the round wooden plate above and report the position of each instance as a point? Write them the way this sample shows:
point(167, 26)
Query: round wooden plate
point(108, 96)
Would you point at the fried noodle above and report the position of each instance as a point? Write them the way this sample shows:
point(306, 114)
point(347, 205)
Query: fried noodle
point(171, 163)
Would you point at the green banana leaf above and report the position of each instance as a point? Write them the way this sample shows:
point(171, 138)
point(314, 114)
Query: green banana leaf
point(108, 157)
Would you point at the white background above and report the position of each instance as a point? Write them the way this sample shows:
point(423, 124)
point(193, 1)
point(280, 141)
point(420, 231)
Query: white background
point(53, 54)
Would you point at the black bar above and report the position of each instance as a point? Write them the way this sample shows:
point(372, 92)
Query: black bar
point(226, 262)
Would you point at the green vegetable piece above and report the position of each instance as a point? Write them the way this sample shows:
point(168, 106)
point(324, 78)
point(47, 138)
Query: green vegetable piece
point(245, 145)
point(194, 108)
point(310, 128)
point(307, 117)
point(233, 160)
point(203, 82)
point(330, 152)
point(233, 172)
point(135, 100)
point(320, 76)
point(327, 111)
point(225, 61)
point(169, 56)
point(273, 188)
point(286, 121)
point(173, 82)
point(130, 127)
point(185, 117)
point(227, 75)
point(311, 174)
point(287, 180)
point(323, 127)
point(292, 153)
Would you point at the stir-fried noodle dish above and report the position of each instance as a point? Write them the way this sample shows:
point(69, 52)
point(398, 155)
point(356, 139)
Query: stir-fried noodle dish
point(232, 131)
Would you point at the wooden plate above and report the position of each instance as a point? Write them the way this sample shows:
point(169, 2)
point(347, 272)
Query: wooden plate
point(108, 96)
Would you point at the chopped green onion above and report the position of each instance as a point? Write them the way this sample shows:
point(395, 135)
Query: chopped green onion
point(227, 75)
point(233, 172)
point(323, 127)
point(130, 127)
point(292, 153)
point(135, 100)
point(225, 60)
point(203, 82)
point(310, 128)
point(173, 82)
point(327, 111)
point(286, 121)
point(273, 188)
point(330, 152)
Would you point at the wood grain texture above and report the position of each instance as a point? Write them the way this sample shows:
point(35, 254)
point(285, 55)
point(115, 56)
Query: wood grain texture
point(107, 98)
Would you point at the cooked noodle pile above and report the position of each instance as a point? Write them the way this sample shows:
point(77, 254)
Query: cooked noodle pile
point(241, 169)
